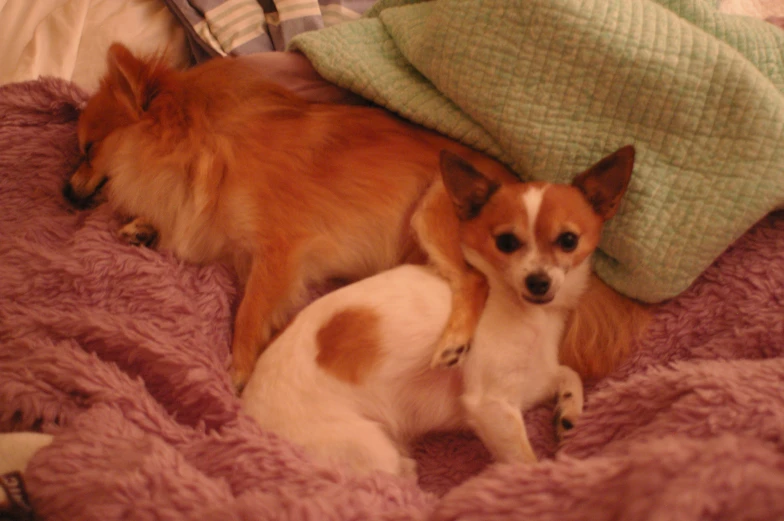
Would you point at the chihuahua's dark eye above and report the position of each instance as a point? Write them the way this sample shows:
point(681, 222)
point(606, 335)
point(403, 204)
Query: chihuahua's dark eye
point(507, 243)
point(567, 241)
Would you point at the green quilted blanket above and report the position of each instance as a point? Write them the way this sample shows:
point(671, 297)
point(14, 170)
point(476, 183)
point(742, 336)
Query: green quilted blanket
point(550, 86)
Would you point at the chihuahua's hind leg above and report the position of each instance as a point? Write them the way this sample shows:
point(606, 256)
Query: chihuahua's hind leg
point(569, 401)
point(437, 229)
point(138, 232)
point(363, 445)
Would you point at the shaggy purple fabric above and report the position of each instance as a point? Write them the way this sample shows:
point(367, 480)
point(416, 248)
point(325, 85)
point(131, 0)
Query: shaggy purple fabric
point(120, 352)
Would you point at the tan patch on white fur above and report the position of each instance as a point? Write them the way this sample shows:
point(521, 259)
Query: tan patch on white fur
point(349, 344)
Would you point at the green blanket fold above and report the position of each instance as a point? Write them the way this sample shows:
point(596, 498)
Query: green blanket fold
point(550, 86)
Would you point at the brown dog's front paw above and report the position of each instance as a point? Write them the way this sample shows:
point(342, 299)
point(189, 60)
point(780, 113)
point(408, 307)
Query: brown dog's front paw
point(449, 355)
point(455, 341)
point(138, 233)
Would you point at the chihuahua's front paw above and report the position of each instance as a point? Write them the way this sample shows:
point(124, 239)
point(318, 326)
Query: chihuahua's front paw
point(449, 356)
point(567, 411)
point(138, 233)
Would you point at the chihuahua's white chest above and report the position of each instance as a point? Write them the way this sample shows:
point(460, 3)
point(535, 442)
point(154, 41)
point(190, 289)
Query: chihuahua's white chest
point(514, 356)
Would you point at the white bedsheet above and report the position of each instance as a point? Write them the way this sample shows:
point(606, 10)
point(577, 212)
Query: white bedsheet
point(69, 38)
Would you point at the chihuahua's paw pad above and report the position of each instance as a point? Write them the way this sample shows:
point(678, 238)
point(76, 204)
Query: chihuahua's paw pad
point(563, 422)
point(450, 356)
point(138, 233)
point(566, 414)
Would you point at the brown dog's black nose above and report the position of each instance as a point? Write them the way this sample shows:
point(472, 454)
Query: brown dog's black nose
point(71, 196)
point(79, 201)
point(538, 283)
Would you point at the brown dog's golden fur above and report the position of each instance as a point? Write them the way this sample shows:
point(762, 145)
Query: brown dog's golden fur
point(230, 167)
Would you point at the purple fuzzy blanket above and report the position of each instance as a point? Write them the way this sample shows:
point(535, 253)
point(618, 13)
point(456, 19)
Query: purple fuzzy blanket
point(120, 352)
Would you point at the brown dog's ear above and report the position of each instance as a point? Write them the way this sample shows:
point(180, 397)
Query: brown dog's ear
point(605, 182)
point(466, 186)
point(134, 80)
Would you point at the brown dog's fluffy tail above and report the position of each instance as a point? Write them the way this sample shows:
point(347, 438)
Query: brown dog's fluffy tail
point(602, 331)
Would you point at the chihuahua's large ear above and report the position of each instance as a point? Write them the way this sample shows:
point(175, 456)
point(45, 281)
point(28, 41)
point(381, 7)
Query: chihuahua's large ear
point(134, 80)
point(466, 186)
point(605, 182)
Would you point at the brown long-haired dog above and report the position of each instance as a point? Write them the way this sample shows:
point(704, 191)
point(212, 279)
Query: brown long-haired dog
point(227, 166)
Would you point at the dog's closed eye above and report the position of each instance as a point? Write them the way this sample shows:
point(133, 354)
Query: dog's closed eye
point(87, 151)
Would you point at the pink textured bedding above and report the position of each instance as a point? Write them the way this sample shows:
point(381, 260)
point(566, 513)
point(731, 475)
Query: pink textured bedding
point(120, 352)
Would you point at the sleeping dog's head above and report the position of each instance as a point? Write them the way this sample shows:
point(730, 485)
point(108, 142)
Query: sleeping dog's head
point(123, 96)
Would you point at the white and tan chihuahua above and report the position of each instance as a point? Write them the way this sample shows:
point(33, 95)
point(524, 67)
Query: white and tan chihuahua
point(351, 377)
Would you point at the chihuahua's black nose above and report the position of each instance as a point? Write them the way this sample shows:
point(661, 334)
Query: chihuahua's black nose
point(538, 283)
